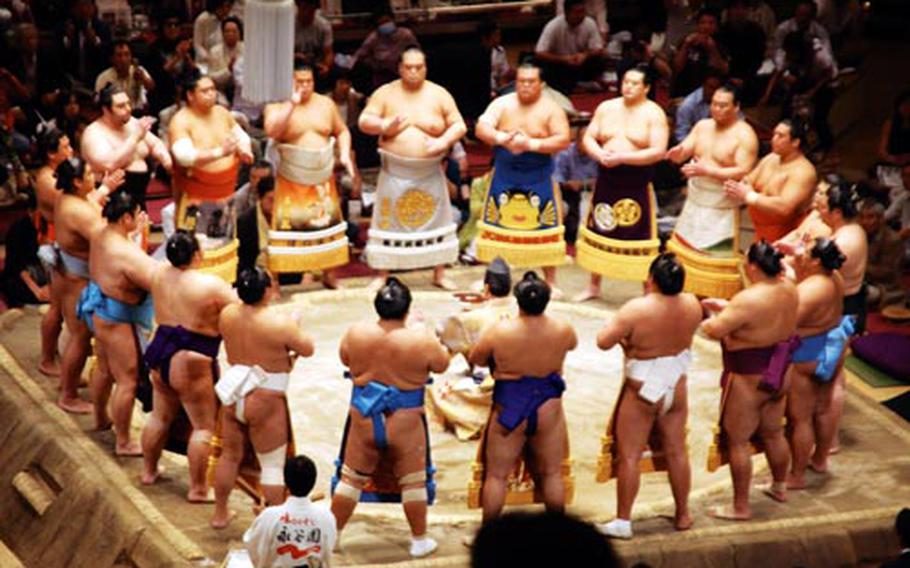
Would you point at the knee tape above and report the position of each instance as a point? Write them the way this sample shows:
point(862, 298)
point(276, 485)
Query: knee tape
point(201, 436)
point(412, 478)
point(351, 474)
point(272, 464)
point(414, 494)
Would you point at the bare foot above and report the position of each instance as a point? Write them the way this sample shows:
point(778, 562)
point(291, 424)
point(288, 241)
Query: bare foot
point(330, 282)
point(75, 405)
point(683, 522)
point(222, 522)
point(102, 425)
point(834, 449)
point(586, 294)
point(150, 478)
point(445, 283)
point(199, 497)
point(307, 278)
point(49, 368)
point(727, 513)
point(556, 293)
point(775, 491)
point(818, 468)
point(795, 483)
point(130, 450)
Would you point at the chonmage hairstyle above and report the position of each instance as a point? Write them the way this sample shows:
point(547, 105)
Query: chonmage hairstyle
point(766, 257)
point(393, 300)
point(181, 247)
point(668, 274)
point(251, 284)
point(532, 293)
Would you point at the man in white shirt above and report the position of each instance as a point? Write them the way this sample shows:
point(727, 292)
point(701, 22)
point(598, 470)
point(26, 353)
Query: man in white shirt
point(803, 20)
point(296, 533)
point(223, 56)
point(207, 28)
point(570, 48)
point(127, 75)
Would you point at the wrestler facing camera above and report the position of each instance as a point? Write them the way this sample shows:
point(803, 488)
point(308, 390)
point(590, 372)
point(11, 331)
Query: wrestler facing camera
point(825, 333)
point(262, 344)
point(308, 122)
point(756, 330)
point(387, 356)
point(415, 118)
point(654, 389)
point(182, 357)
point(526, 354)
point(77, 218)
point(117, 141)
point(117, 307)
point(626, 131)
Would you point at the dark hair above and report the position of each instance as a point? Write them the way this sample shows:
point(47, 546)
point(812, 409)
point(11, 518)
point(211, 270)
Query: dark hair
point(266, 185)
point(49, 142)
point(902, 526)
point(504, 542)
point(251, 284)
point(299, 475)
point(498, 278)
point(708, 11)
point(568, 4)
point(487, 28)
point(731, 88)
point(302, 65)
point(189, 81)
point(118, 204)
point(410, 49)
point(668, 274)
point(647, 76)
point(106, 95)
point(532, 293)
point(68, 172)
point(233, 20)
point(212, 5)
point(766, 257)
point(181, 247)
point(842, 196)
point(393, 300)
point(798, 130)
point(715, 73)
point(826, 251)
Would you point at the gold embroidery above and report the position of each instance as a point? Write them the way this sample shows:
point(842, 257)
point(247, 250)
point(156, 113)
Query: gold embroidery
point(414, 208)
point(627, 212)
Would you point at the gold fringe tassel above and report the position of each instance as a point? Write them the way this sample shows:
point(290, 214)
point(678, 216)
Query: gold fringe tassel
point(616, 259)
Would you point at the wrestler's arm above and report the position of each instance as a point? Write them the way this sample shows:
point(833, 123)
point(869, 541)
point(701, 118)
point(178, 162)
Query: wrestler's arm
point(159, 151)
point(139, 268)
point(298, 341)
point(47, 195)
point(371, 117)
point(455, 126)
point(482, 351)
point(184, 150)
point(796, 191)
point(589, 142)
point(616, 330)
point(487, 126)
point(684, 150)
point(560, 135)
point(276, 118)
point(811, 299)
point(657, 145)
point(571, 337)
point(344, 349)
point(244, 143)
point(86, 220)
point(743, 159)
point(734, 316)
point(102, 156)
point(439, 355)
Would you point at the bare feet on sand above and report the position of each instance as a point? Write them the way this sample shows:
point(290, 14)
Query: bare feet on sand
point(222, 522)
point(330, 282)
point(130, 450)
point(150, 478)
point(199, 496)
point(75, 405)
point(102, 424)
point(445, 283)
point(587, 294)
point(727, 513)
point(795, 483)
point(776, 491)
point(49, 368)
point(683, 522)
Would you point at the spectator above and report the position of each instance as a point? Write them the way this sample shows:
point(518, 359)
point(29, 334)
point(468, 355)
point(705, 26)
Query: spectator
point(253, 228)
point(595, 9)
point(745, 43)
point(223, 56)
point(24, 278)
point(894, 146)
point(570, 48)
point(297, 533)
point(36, 69)
point(168, 59)
point(576, 173)
point(758, 12)
point(638, 52)
point(207, 28)
point(882, 272)
point(84, 42)
point(245, 196)
point(698, 52)
point(839, 17)
point(313, 41)
point(697, 105)
point(382, 48)
point(68, 116)
point(501, 73)
point(899, 210)
point(804, 22)
point(243, 109)
point(126, 73)
point(902, 527)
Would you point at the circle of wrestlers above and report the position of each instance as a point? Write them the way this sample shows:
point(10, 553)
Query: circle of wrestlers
point(783, 308)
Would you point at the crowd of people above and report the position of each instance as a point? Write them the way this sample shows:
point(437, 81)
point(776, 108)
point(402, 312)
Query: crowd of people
point(777, 265)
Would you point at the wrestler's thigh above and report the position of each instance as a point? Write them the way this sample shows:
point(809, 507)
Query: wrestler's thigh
point(672, 425)
point(634, 419)
point(69, 297)
point(191, 378)
point(551, 441)
point(267, 420)
point(119, 348)
point(165, 402)
point(360, 452)
point(742, 414)
point(232, 434)
point(772, 414)
point(407, 441)
point(801, 398)
point(503, 448)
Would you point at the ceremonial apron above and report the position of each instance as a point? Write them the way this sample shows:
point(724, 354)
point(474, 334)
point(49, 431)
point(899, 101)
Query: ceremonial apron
point(706, 240)
point(308, 231)
point(412, 225)
point(204, 210)
point(619, 238)
point(522, 212)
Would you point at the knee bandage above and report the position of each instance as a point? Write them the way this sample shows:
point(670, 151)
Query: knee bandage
point(272, 464)
point(201, 436)
point(350, 489)
point(413, 494)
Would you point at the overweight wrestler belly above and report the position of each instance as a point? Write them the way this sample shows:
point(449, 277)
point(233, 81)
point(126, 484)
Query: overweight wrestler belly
point(412, 141)
point(312, 139)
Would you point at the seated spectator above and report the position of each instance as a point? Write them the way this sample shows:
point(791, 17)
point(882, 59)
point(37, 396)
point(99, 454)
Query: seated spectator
point(637, 52)
point(168, 59)
point(570, 48)
point(902, 527)
point(84, 42)
point(744, 41)
point(697, 105)
point(759, 13)
point(207, 28)
point(899, 210)
point(595, 9)
point(68, 117)
point(223, 56)
point(296, 533)
point(253, 228)
point(24, 278)
point(501, 73)
point(804, 22)
point(699, 51)
point(37, 69)
point(125, 73)
point(313, 41)
point(382, 48)
point(883, 273)
point(576, 173)
point(894, 146)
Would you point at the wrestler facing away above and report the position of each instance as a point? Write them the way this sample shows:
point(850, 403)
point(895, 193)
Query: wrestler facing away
point(308, 120)
point(122, 270)
point(183, 362)
point(526, 353)
point(77, 218)
point(779, 190)
point(53, 147)
point(630, 130)
point(762, 315)
point(414, 118)
point(821, 297)
point(527, 122)
point(117, 141)
point(257, 334)
point(388, 352)
point(640, 328)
